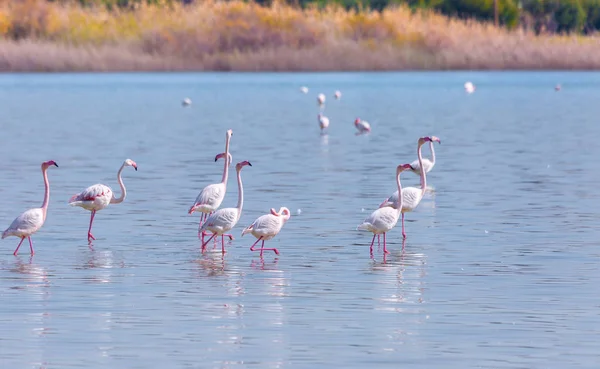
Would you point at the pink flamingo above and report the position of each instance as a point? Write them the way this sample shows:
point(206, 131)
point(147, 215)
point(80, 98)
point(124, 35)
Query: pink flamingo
point(384, 219)
point(427, 164)
point(31, 220)
point(323, 122)
point(267, 226)
point(362, 126)
point(211, 197)
point(411, 196)
point(99, 196)
point(223, 220)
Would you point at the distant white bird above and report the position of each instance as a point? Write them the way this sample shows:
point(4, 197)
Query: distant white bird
point(267, 226)
point(186, 102)
point(411, 196)
point(384, 219)
point(469, 87)
point(304, 89)
point(557, 87)
point(211, 197)
point(427, 164)
point(362, 126)
point(337, 95)
point(223, 220)
point(31, 220)
point(321, 99)
point(99, 196)
point(323, 122)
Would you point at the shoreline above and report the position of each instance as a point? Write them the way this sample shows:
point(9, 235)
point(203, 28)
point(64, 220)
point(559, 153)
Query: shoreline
point(237, 36)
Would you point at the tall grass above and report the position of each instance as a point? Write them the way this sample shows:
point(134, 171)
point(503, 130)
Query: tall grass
point(37, 35)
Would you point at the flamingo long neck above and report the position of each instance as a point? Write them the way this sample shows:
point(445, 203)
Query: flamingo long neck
point(226, 169)
point(400, 197)
point(423, 178)
point(120, 199)
point(240, 203)
point(432, 153)
point(46, 192)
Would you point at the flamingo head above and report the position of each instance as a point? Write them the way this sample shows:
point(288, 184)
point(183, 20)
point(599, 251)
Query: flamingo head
point(242, 164)
point(356, 121)
point(283, 211)
point(402, 167)
point(49, 163)
point(219, 156)
point(131, 163)
point(422, 140)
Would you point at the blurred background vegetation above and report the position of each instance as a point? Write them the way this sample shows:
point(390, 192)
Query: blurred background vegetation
point(551, 16)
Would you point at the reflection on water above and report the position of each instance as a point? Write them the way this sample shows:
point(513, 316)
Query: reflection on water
point(498, 270)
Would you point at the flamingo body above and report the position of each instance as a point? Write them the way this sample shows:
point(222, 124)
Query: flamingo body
point(337, 95)
point(427, 166)
point(362, 126)
point(321, 99)
point(267, 226)
point(210, 198)
point(469, 87)
point(380, 221)
point(323, 121)
point(411, 197)
point(95, 197)
point(26, 224)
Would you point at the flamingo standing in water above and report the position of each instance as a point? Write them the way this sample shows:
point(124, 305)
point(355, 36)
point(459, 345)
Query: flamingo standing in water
point(427, 164)
point(267, 226)
point(323, 122)
point(362, 126)
point(211, 197)
point(31, 220)
point(223, 220)
point(99, 196)
point(384, 219)
point(337, 95)
point(469, 87)
point(411, 196)
point(321, 99)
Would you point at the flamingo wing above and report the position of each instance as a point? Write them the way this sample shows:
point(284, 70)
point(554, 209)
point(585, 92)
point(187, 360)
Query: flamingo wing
point(28, 222)
point(411, 196)
point(92, 193)
point(381, 220)
point(221, 220)
point(212, 195)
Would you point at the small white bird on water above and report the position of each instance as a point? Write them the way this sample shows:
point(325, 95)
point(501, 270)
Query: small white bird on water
point(186, 102)
point(321, 99)
point(362, 126)
point(469, 87)
point(337, 95)
point(267, 226)
point(323, 122)
point(304, 89)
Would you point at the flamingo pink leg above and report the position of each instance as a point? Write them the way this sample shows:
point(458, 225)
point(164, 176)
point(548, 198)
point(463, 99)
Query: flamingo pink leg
point(385, 251)
point(403, 233)
point(30, 245)
point(223, 243)
point(201, 234)
point(207, 241)
point(90, 235)
point(372, 242)
point(19, 245)
point(262, 247)
point(254, 244)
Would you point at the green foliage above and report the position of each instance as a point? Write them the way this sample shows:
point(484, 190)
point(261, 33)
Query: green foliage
point(570, 16)
point(508, 12)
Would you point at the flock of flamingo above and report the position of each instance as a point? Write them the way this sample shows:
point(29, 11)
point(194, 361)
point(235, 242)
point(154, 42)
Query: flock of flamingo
point(218, 222)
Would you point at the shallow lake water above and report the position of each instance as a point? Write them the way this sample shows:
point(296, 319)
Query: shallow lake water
point(500, 268)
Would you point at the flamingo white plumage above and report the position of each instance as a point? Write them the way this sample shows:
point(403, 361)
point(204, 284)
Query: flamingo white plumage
point(30, 221)
point(323, 122)
point(99, 196)
point(427, 164)
point(382, 220)
point(411, 196)
point(304, 89)
point(211, 197)
point(362, 126)
point(469, 87)
point(223, 220)
point(337, 95)
point(321, 99)
point(267, 226)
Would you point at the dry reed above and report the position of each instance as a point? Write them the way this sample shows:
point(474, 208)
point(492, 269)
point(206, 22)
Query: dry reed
point(225, 36)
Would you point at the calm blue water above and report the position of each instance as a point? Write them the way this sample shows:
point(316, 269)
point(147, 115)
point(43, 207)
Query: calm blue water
point(500, 268)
